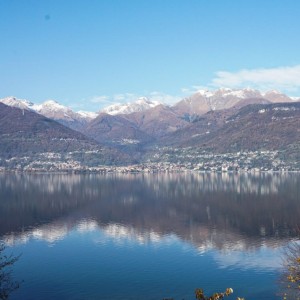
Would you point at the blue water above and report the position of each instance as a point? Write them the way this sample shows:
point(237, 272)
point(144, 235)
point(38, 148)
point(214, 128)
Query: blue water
point(147, 237)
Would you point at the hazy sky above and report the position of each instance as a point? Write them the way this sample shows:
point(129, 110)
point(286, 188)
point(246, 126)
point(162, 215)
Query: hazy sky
point(87, 54)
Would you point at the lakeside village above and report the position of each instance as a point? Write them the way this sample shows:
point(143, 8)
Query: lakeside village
point(250, 161)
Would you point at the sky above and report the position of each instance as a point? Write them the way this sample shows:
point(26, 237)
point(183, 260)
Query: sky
point(88, 54)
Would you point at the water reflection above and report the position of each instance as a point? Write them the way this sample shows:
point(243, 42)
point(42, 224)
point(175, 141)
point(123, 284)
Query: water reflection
point(256, 183)
point(210, 211)
point(147, 234)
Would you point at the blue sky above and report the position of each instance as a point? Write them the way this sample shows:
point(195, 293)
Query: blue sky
point(88, 53)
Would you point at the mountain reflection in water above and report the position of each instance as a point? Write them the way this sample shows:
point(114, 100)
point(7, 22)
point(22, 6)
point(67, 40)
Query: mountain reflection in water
point(208, 211)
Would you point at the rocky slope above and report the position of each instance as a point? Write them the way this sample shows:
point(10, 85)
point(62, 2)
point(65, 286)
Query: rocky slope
point(254, 127)
point(24, 133)
point(158, 121)
point(116, 131)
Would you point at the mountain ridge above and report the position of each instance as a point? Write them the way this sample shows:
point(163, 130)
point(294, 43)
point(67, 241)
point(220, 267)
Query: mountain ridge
point(29, 136)
point(214, 99)
point(245, 124)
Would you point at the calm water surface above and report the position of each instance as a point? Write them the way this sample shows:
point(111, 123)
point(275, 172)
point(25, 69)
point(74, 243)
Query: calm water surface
point(148, 236)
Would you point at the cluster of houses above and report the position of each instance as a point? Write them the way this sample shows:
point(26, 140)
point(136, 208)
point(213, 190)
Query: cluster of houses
point(256, 161)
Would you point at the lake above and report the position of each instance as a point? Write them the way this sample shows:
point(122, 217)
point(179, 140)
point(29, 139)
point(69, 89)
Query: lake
point(148, 236)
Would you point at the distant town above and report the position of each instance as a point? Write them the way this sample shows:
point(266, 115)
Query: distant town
point(164, 160)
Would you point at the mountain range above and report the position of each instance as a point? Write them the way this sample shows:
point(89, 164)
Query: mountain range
point(220, 121)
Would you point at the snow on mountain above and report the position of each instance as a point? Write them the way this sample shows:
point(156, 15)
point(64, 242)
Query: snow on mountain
point(50, 109)
point(205, 93)
point(227, 92)
point(65, 115)
point(51, 105)
point(277, 97)
point(141, 104)
point(198, 103)
point(87, 114)
point(53, 110)
point(238, 93)
point(204, 100)
point(19, 103)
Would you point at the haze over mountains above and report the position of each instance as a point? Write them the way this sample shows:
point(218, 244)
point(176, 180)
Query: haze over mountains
point(220, 121)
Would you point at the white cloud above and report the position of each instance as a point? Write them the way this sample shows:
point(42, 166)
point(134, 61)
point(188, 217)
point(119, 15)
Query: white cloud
point(99, 99)
point(124, 98)
point(285, 79)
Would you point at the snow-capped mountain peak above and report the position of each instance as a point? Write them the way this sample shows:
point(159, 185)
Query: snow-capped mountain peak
point(224, 98)
point(52, 109)
point(228, 92)
point(55, 111)
point(19, 103)
point(141, 104)
point(239, 93)
point(205, 93)
point(51, 105)
point(276, 96)
point(87, 114)
point(276, 92)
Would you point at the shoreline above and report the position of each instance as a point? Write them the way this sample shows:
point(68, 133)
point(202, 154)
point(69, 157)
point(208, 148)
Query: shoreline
point(137, 172)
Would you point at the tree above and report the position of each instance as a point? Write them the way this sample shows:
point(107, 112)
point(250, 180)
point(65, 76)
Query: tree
point(216, 296)
point(7, 285)
point(291, 278)
point(199, 293)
